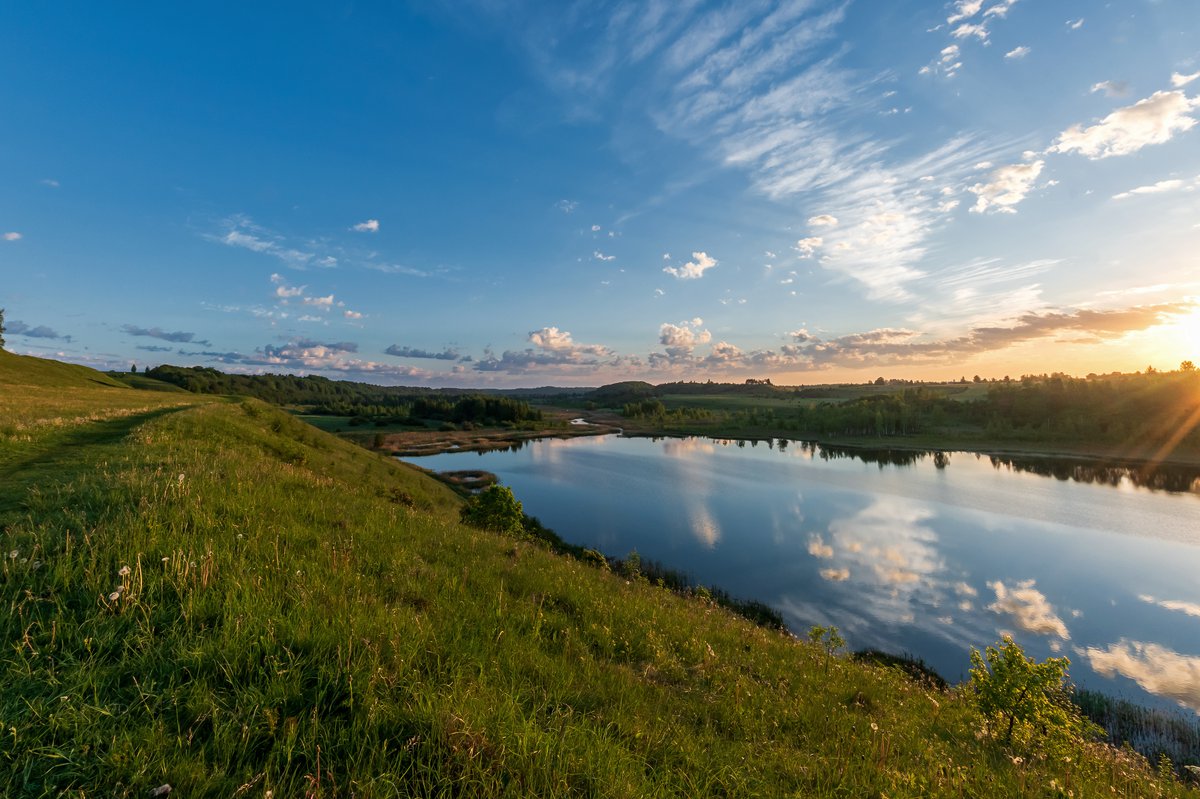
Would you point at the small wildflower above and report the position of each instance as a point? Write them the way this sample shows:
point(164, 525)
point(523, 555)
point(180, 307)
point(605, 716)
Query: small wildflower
point(874, 727)
point(13, 554)
point(114, 596)
point(165, 560)
point(181, 477)
point(124, 572)
point(240, 536)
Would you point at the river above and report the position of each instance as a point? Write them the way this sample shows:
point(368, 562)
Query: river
point(906, 552)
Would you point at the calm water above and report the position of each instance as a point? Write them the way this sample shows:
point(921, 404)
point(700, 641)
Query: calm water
point(906, 553)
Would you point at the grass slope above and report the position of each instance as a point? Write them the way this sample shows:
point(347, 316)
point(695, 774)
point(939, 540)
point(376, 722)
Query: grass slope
point(214, 595)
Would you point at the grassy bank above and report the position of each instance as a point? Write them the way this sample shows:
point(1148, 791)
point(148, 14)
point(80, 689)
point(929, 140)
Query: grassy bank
point(212, 594)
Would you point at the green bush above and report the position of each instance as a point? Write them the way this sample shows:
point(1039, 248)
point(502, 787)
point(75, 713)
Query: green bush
point(495, 508)
point(1025, 703)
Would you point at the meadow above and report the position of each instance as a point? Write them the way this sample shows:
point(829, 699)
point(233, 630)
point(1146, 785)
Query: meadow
point(209, 593)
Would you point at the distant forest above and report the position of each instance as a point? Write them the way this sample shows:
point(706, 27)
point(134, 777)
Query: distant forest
point(1151, 407)
point(360, 401)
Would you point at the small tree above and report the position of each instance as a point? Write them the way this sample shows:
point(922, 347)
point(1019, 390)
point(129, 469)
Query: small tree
point(1, 328)
point(1186, 366)
point(1029, 701)
point(494, 508)
point(829, 639)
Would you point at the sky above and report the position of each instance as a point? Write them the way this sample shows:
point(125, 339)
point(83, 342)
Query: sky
point(498, 194)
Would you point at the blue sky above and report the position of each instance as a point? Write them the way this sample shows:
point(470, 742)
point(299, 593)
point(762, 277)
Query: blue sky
point(506, 194)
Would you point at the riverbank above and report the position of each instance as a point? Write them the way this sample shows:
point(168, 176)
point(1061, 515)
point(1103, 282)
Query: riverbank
point(215, 596)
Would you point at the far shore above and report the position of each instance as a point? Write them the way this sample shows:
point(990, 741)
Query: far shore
point(414, 444)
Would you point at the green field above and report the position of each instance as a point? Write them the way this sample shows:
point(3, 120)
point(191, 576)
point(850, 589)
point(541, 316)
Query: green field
point(211, 594)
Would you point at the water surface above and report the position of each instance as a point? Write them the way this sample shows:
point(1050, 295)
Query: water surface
point(905, 552)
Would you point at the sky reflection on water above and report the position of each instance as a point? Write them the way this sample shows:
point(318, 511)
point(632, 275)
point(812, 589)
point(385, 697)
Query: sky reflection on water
point(904, 552)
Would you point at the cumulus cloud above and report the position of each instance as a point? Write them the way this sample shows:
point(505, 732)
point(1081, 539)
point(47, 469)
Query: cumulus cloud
point(1028, 608)
point(1075, 24)
point(320, 302)
point(1018, 52)
point(835, 575)
point(18, 328)
point(352, 315)
point(447, 354)
point(807, 247)
point(822, 220)
point(1153, 120)
point(551, 338)
point(551, 348)
point(286, 292)
point(1005, 187)
point(12, 235)
point(682, 338)
point(1157, 669)
point(701, 262)
point(308, 355)
point(1178, 80)
point(178, 336)
point(599, 256)
point(370, 226)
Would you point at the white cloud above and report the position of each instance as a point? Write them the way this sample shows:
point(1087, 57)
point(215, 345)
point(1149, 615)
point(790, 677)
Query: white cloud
point(693, 269)
point(1005, 187)
point(964, 9)
point(1111, 88)
point(1018, 52)
point(566, 206)
point(320, 302)
point(967, 29)
point(284, 292)
point(947, 63)
point(1028, 608)
point(352, 314)
point(807, 247)
point(1155, 668)
point(1178, 80)
point(823, 220)
point(835, 575)
point(49, 182)
point(12, 236)
point(370, 226)
point(1154, 188)
point(599, 256)
point(595, 228)
point(1075, 24)
point(1153, 120)
point(679, 340)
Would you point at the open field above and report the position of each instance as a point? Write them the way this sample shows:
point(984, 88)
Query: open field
point(211, 594)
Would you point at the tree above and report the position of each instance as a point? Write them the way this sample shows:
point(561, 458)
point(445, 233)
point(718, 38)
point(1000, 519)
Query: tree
point(1028, 700)
point(494, 508)
point(1, 328)
point(1186, 366)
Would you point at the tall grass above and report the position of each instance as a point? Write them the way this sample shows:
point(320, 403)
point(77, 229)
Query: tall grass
point(219, 597)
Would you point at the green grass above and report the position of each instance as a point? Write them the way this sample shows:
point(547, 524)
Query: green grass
point(212, 594)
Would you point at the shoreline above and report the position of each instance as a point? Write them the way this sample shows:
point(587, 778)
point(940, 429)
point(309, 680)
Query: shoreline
point(487, 441)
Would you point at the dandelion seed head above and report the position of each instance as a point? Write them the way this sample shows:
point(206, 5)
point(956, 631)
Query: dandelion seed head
point(124, 572)
point(114, 596)
point(13, 554)
point(181, 477)
point(165, 560)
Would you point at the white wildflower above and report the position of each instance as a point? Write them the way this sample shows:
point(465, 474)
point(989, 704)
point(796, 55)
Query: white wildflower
point(124, 572)
point(13, 554)
point(114, 596)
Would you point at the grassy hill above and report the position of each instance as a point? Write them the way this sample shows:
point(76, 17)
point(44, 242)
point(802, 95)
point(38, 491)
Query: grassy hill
point(212, 594)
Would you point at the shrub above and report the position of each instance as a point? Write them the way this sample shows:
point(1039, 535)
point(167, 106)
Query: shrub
point(495, 508)
point(1024, 702)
